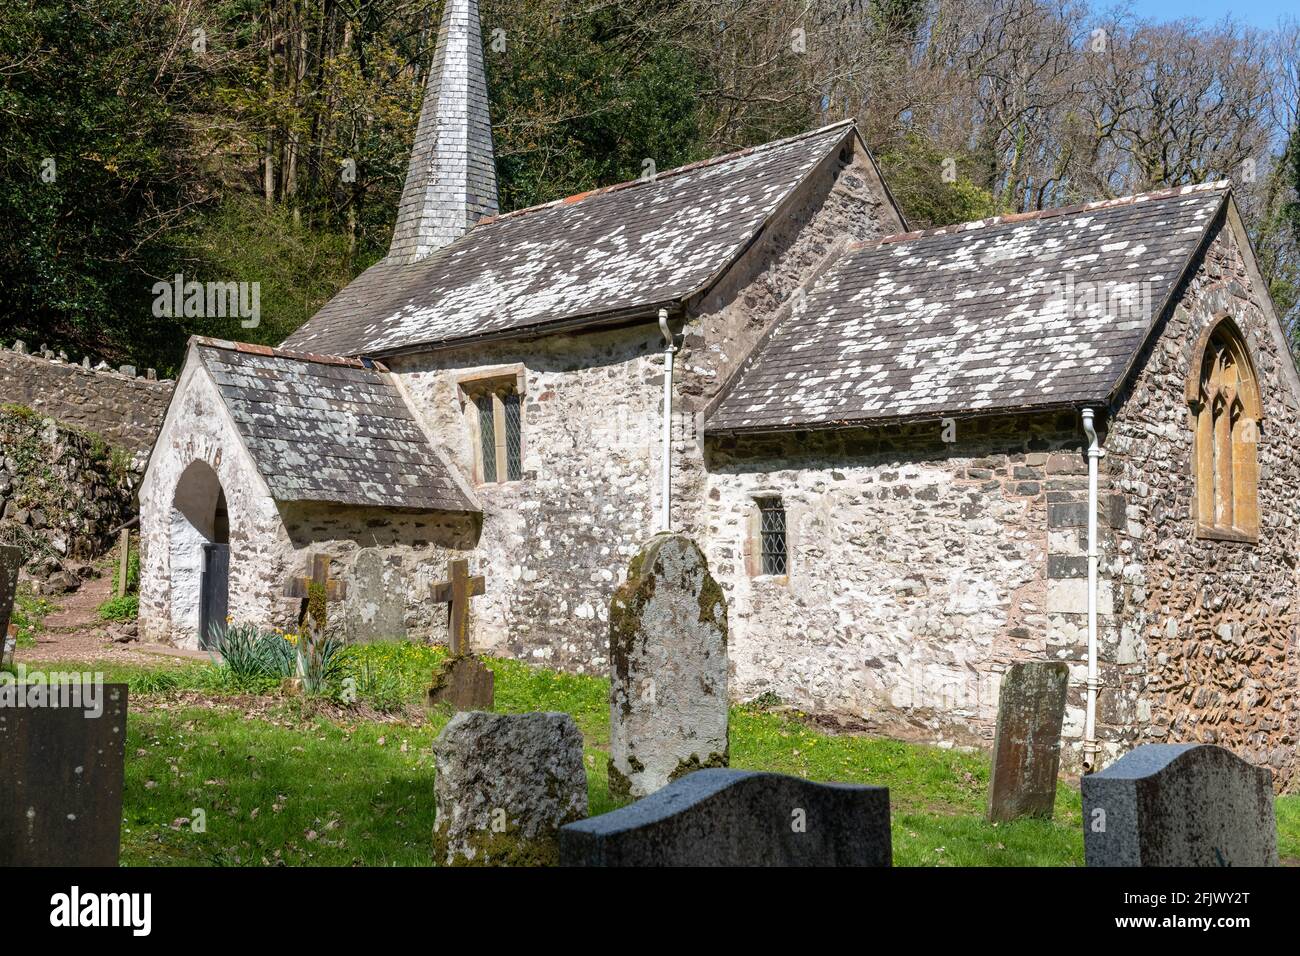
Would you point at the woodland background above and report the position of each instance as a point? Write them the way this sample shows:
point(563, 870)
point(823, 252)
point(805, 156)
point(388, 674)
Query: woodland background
point(218, 138)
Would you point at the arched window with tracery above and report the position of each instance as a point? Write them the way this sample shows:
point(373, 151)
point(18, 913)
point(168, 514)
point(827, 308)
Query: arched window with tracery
point(1223, 393)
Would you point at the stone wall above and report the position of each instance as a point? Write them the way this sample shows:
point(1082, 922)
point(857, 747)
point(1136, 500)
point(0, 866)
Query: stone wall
point(62, 492)
point(920, 569)
point(555, 544)
point(1212, 623)
point(125, 409)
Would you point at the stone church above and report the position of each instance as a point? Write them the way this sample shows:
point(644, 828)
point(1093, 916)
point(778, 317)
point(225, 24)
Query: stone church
point(912, 458)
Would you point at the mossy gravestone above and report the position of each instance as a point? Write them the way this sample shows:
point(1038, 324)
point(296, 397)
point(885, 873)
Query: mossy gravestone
point(668, 661)
point(505, 785)
point(1027, 744)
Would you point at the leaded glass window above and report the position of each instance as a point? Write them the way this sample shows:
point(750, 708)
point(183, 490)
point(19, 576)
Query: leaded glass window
point(500, 432)
point(487, 431)
point(514, 464)
point(771, 514)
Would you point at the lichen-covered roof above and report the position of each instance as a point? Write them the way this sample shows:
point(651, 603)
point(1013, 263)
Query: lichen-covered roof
point(1038, 310)
point(634, 246)
point(326, 429)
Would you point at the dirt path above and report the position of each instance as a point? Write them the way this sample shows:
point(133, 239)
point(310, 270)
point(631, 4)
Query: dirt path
point(74, 632)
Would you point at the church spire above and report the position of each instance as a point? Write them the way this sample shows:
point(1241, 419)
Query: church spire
point(451, 182)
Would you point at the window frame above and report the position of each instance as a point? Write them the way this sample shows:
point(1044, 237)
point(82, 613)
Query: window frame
point(755, 555)
point(494, 384)
point(1219, 456)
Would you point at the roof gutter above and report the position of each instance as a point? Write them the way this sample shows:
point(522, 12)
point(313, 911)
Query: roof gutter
point(967, 415)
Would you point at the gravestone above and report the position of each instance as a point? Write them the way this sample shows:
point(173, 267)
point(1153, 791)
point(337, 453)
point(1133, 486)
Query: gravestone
point(668, 661)
point(376, 609)
point(1179, 805)
point(11, 563)
point(62, 756)
point(739, 818)
point(461, 681)
point(505, 784)
point(1027, 743)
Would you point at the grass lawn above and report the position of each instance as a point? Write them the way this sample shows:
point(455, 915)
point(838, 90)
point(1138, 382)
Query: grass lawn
point(306, 782)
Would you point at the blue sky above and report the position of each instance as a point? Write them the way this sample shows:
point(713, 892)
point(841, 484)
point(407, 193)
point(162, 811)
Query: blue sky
point(1258, 13)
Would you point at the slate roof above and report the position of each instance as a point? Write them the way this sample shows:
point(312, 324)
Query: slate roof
point(636, 246)
point(975, 318)
point(326, 429)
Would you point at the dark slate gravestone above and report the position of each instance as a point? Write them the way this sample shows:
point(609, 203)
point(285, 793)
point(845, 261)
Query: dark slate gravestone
point(61, 773)
point(1027, 745)
point(1179, 805)
point(721, 817)
point(11, 562)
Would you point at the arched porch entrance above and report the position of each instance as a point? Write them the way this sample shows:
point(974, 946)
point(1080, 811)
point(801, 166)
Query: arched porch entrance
point(200, 554)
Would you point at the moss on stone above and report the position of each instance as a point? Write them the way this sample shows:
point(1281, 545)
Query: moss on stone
point(508, 847)
point(694, 762)
point(620, 787)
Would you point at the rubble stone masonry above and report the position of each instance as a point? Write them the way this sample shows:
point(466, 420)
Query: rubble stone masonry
point(1211, 624)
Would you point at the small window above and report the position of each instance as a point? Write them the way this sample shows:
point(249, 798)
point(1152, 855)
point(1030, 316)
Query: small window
point(771, 530)
point(500, 434)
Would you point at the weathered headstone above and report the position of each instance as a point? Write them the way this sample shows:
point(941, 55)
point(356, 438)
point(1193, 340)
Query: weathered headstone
point(11, 563)
point(739, 818)
point(668, 661)
point(1179, 805)
point(62, 757)
point(1027, 743)
point(505, 785)
point(461, 681)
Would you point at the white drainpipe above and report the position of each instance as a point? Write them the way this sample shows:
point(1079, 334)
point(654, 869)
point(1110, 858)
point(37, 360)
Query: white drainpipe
point(1095, 453)
point(665, 499)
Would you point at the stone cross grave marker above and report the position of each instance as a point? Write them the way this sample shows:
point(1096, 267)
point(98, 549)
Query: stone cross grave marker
point(1027, 743)
point(462, 680)
point(1179, 805)
point(11, 562)
point(668, 662)
point(317, 591)
point(62, 758)
point(457, 593)
point(316, 594)
point(725, 817)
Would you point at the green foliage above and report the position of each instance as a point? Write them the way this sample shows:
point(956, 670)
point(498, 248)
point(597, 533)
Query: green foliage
point(132, 570)
point(589, 104)
point(96, 106)
point(932, 187)
point(298, 266)
point(253, 658)
point(124, 608)
point(29, 615)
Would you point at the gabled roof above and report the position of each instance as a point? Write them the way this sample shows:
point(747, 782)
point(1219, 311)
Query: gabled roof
point(1037, 310)
point(327, 429)
point(632, 247)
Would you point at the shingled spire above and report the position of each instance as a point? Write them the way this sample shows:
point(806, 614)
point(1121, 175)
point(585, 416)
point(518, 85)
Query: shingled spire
point(451, 182)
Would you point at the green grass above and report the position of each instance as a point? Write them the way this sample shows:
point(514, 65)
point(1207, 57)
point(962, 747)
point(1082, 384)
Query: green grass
point(29, 615)
point(300, 782)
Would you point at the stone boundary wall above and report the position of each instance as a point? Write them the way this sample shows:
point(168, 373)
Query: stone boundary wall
point(124, 408)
